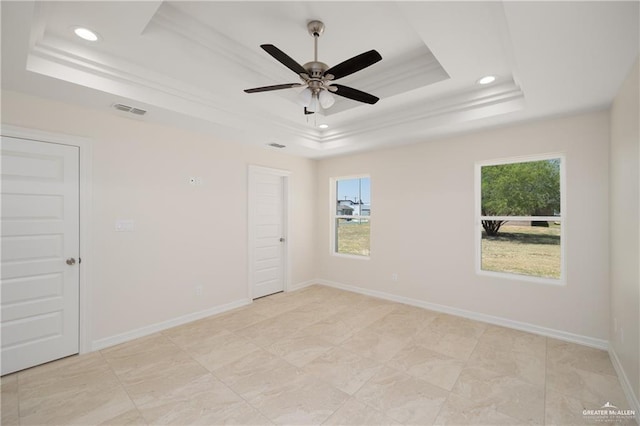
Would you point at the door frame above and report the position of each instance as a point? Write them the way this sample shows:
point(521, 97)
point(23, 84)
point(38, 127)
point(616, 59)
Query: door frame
point(286, 228)
point(85, 147)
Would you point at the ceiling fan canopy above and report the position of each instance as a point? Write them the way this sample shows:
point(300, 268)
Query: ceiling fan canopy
point(318, 78)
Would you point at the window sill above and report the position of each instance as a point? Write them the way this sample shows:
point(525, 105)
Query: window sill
point(526, 278)
point(351, 256)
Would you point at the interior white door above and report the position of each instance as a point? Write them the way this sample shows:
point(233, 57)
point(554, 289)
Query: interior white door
point(40, 282)
point(268, 233)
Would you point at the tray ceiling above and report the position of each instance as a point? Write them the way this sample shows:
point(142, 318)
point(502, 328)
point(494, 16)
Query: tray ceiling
point(187, 63)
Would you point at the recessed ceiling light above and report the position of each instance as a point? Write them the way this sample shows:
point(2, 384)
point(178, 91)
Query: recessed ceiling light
point(487, 79)
point(323, 126)
point(86, 34)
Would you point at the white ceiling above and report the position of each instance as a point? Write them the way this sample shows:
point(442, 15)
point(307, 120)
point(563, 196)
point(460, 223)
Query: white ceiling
point(187, 64)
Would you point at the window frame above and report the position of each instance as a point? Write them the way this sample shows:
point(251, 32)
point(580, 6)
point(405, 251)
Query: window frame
point(333, 217)
point(562, 218)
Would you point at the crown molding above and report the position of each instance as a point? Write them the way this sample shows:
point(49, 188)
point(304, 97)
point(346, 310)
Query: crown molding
point(409, 70)
point(459, 107)
point(176, 22)
point(415, 69)
point(50, 56)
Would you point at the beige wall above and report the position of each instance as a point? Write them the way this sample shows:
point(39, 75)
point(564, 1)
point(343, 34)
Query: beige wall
point(423, 225)
point(184, 236)
point(625, 233)
point(422, 229)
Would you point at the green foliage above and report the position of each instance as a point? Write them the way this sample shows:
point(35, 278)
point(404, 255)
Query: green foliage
point(521, 189)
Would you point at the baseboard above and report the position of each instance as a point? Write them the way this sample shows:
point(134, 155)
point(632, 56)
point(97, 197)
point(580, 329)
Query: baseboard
point(164, 325)
point(301, 285)
point(154, 328)
point(632, 398)
point(504, 322)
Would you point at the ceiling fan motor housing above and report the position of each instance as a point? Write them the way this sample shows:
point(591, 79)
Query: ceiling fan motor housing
point(315, 69)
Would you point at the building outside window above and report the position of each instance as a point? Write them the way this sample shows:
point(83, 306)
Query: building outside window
point(352, 216)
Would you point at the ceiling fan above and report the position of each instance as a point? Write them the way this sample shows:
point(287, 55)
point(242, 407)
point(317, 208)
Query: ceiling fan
point(318, 77)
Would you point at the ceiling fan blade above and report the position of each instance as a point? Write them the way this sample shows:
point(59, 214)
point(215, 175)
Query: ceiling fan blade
point(354, 64)
point(283, 58)
point(355, 94)
point(276, 87)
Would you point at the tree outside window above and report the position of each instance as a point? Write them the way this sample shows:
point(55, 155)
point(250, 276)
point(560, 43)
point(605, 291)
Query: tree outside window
point(520, 209)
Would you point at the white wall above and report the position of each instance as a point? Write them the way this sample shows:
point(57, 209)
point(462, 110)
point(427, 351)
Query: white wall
point(184, 235)
point(625, 233)
point(431, 244)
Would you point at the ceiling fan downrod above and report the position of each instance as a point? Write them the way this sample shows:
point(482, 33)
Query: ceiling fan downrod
point(316, 28)
point(315, 69)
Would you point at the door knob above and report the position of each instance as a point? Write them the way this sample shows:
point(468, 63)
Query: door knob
point(71, 261)
point(282, 239)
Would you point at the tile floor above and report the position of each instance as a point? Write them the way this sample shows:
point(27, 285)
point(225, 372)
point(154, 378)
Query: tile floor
point(321, 356)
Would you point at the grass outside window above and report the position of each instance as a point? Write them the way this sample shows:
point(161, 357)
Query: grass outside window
point(353, 236)
point(524, 250)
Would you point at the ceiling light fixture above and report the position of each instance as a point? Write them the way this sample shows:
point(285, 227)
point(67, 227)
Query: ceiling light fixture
point(313, 99)
point(323, 126)
point(487, 79)
point(86, 34)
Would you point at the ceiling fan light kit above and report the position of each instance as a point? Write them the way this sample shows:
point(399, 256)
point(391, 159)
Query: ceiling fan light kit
point(317, 77)
point(325, 98)
point(304, 97)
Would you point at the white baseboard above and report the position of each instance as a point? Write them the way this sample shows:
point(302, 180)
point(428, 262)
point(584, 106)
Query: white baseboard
point(298, 286)
point(504, 322)
point(632, 398)
point(164, 325)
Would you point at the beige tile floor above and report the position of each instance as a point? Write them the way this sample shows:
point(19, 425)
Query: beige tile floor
point(321, 356)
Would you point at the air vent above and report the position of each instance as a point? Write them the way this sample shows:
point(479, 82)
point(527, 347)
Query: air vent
point(121, 107)
point(127, 108)
point(277, 145)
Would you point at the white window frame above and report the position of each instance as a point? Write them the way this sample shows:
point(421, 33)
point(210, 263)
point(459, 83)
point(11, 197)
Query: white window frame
point(562, 218)
point(333, 182)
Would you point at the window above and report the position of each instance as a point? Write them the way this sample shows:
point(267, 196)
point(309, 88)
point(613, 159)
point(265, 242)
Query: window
point(352, 215)
point(519, 208)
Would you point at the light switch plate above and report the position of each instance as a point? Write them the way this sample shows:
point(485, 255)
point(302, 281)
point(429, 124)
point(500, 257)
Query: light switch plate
point(124, 225)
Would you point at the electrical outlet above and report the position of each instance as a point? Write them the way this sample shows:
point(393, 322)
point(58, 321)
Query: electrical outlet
point(198, 290)
point(394, 277)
